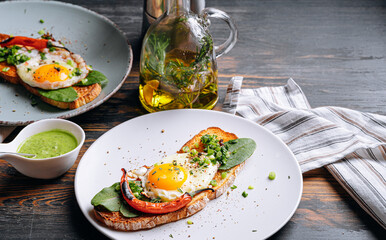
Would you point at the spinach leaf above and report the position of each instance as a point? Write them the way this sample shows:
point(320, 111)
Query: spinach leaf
point(109, 198)
point(94, 77)
point(240, 151)
point(128, 211)
point(61, 95)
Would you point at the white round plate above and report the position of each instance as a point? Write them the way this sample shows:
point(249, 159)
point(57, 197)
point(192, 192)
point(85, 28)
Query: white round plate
point(145, 140)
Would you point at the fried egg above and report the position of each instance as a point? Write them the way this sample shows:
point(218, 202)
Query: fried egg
point(174, 175)
point(51, 69)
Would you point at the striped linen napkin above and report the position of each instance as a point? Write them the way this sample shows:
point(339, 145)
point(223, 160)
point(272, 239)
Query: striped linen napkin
point(350, 144)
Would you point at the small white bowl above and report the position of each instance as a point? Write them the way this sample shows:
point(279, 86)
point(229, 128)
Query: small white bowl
point(49, 167)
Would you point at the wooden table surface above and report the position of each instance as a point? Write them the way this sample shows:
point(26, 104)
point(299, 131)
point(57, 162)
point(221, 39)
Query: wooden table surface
point(334, 49)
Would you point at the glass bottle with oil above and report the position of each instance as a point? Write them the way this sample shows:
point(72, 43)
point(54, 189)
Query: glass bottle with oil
point(178, 60)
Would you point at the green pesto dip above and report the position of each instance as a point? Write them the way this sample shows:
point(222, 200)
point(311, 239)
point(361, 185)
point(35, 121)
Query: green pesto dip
point(48, 144)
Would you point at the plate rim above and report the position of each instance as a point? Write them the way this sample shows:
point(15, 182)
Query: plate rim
point(100, 138)
point(92, 104)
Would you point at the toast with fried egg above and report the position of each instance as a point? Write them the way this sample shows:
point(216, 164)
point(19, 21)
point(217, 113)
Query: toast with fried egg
point(117, 221)
point(85, 94)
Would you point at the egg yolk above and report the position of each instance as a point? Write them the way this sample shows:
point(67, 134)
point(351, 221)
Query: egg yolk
point(51, 73)
point(167, 176)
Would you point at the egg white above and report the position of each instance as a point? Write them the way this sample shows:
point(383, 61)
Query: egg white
point(197, 177)
point(62, 57)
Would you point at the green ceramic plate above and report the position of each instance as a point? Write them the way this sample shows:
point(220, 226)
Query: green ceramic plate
point(94, 37)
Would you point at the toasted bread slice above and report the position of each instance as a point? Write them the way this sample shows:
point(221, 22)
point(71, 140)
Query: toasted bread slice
point(116, 221)
point(10, 75)
point(86, 94)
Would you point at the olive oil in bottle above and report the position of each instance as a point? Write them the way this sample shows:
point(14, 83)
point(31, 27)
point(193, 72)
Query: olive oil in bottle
point(182, 85)
point(177, 66)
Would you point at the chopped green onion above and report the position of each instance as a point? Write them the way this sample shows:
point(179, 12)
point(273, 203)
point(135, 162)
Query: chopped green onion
point(193, 152)
point(213, 183)
point(180, 190)
point(6, 69)
point(250, 187)
point(43, 56)
point(272, 175)
point(244, 194)
point(41, 21)
point(196, 144)
point(77, 72)
point(233, 187)
point(186, 149)
point(41, 32)
point(190, 222)
point(210, 152)
point(50, 46)
point(70, 62)
point(224, 175)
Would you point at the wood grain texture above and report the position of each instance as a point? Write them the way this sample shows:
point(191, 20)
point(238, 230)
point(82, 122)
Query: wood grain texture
point(335, 50)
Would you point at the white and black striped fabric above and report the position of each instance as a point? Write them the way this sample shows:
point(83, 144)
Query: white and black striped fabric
point(350, 144)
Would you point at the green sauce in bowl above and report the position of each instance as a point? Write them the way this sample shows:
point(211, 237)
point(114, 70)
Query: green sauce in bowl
point(49, 144)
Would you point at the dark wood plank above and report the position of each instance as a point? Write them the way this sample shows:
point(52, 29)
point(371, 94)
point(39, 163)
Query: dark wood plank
point(334, 49)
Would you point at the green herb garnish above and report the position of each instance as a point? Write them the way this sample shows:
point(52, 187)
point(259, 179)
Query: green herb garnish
point(10, 55)
point(70, 62)
point(50, 46)
point(42, 56)
point(213, 183)
point(228, 154)
point(272, 175)
point(76, 72)
point(244, 194)
point(186, 149)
